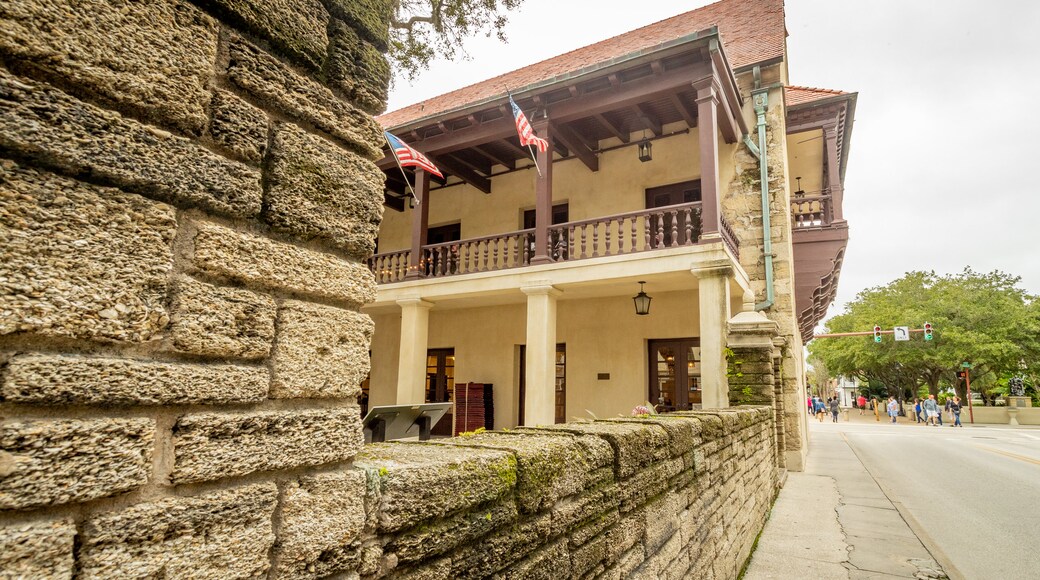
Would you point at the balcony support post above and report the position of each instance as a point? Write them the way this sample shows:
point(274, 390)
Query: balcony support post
point(830, 136)
point(540, 363)
point(708, 92)
point(713, 301)
point(411, 364)
point(420, 224)
point(543, 196)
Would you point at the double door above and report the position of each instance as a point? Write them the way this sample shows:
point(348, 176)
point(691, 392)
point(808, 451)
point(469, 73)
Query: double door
point(675, 373)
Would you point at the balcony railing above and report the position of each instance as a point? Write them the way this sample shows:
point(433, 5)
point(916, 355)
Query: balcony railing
point(811, 210)
point(639, 231)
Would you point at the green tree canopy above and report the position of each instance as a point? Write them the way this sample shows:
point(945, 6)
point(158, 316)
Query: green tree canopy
point(984, 319)
point(422, 30)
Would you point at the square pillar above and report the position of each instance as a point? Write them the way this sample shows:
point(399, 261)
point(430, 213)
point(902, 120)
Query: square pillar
point(420, 225)
point(543, 196)
point(713, 295)
point(411, 364)
point(708, 91)
point(540, 365)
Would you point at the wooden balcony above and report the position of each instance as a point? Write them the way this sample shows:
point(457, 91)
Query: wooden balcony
point(819, 250)
point(672, 226)
point(811, 209)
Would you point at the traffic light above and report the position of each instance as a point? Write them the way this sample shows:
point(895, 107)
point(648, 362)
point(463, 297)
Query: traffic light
point(877, 333)
point(928, 331)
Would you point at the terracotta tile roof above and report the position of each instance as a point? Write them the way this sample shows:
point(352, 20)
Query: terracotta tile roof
point(801, 95)
point(752, 31)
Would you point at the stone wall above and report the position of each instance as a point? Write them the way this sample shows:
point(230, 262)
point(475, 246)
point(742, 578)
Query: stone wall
point(187, 195)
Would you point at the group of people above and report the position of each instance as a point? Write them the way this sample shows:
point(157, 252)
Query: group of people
point(933, 415)
point(818, 407)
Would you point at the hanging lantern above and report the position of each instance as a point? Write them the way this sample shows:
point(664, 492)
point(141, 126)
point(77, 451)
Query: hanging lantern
point(642, 301)
point(645, 150)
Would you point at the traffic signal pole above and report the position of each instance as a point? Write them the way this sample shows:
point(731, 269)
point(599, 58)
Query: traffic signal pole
point(869, 333)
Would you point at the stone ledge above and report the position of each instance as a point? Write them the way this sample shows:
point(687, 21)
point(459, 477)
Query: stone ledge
point(635, 445)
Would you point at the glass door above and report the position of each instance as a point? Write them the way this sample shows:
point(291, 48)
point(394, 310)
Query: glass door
point(675, 375)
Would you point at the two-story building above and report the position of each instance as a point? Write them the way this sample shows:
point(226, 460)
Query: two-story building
point(667, 143)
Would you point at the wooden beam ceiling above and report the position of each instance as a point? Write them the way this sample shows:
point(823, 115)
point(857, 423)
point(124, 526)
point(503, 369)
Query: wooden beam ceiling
point(464, 173)
point(577, 145)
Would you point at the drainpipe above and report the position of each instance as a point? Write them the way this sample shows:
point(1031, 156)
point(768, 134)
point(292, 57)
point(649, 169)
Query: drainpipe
point(761, 97)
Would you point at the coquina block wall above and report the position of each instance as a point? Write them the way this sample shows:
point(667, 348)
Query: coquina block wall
point(186, 197)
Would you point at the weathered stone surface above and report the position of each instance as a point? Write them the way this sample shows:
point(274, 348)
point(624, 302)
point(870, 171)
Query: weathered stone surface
point(501, 548)
point(58, 462)
point(439, 537)
point(58, 380)
point(318, 190)
point(682, 431)
point(238, 126)
point(298, 97)
point(221, 321)
point(212, 446)
point(548, 563)
point(357, 68)
point(322, 519)
point(120, 51)
point(585, 508)
point(549, 467)
point(260, 262)
point(38, 550)
point(58, 131)
point(295, 28)
point(226, 534)
point(322, 351)
point(417, 482)
point(635, 445)
point(371, 18)
point(81, 261)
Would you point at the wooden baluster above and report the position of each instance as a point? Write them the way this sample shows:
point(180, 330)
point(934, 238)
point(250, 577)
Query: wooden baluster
point(688, 216)
point(620, 222)
point(494, 253)
point(675, 228)
point(389, 269)
point(484, 255)
point(583, 244)
point(634, 240)
point(595, 239)
point(570, 241)
point(646, 231)
point(659, 234)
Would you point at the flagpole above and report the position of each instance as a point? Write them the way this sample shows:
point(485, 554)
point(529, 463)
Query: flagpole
point(529, 148)
point(403, 174)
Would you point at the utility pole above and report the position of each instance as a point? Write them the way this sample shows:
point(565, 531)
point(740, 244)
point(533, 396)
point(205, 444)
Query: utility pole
point(967, 381)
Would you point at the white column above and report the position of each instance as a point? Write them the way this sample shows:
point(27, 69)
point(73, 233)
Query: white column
point(540, 371)
point(411, 362)
point(713, 293)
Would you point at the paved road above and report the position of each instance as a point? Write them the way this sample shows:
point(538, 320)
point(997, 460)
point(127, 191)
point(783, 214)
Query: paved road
point(972, 494)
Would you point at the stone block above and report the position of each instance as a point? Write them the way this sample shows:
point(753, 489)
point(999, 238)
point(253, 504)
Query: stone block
point(662, 520)
point(81, 261)
point(501, 548)
point(318, 190)
point(322, 351)
point(221, 321)
point(625, 535)
point(419, 482)
point(279, 87)
point(548, 563)
point(589, 556)
point(38, 550)
point(435, 570)
point(648, 482)
point(357, 68)
point(549, 467)
point(371, 18)
point(295, 28)
point(57, 462)
point(259, 262)
point(238, 126)
point(585, 508)
point(443, 535)
point(634, 445)
point(154, 59)
point(215, 445)
point(51, 128)
point(226, 534)
point(322, 519)
point(683, 432)
point(62, 380)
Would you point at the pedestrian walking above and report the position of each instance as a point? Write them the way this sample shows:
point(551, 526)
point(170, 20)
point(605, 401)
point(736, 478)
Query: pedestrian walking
point(861, 402)
point(931, 410)
point(917, 411)
point(820, 406)
point(834, 410)
point(893, 408)
point(809, 403)
point(955, 409)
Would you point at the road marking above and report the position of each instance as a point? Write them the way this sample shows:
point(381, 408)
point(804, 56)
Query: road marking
point(1011, 455)
point(1034, 437)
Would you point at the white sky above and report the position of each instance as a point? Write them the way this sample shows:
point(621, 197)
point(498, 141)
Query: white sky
point(944, 141)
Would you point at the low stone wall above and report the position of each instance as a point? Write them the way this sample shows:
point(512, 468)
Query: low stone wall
point(1000, 415)
point(675, 496)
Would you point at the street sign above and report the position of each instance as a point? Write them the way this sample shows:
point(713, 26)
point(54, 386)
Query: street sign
point(965, 365)
point(901, 333)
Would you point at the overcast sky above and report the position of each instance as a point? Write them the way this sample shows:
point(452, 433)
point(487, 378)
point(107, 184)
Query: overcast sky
point(944, 141)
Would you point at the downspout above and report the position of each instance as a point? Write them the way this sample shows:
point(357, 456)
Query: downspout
point(761, 100)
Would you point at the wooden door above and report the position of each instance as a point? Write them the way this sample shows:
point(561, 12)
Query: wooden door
point(440, 383)
point(675, 374)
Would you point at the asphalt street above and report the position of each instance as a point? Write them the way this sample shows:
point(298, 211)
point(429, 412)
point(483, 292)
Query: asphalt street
point(972, 494)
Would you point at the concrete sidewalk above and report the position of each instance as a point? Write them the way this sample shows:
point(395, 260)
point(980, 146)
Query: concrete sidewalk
point(833, 521)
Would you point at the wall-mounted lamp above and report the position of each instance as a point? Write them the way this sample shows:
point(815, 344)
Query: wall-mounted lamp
point(645, 148)
point(642, 301)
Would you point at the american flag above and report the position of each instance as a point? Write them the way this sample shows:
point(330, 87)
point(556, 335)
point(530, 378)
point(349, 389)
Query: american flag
point(523, 128)
point(409, 157)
